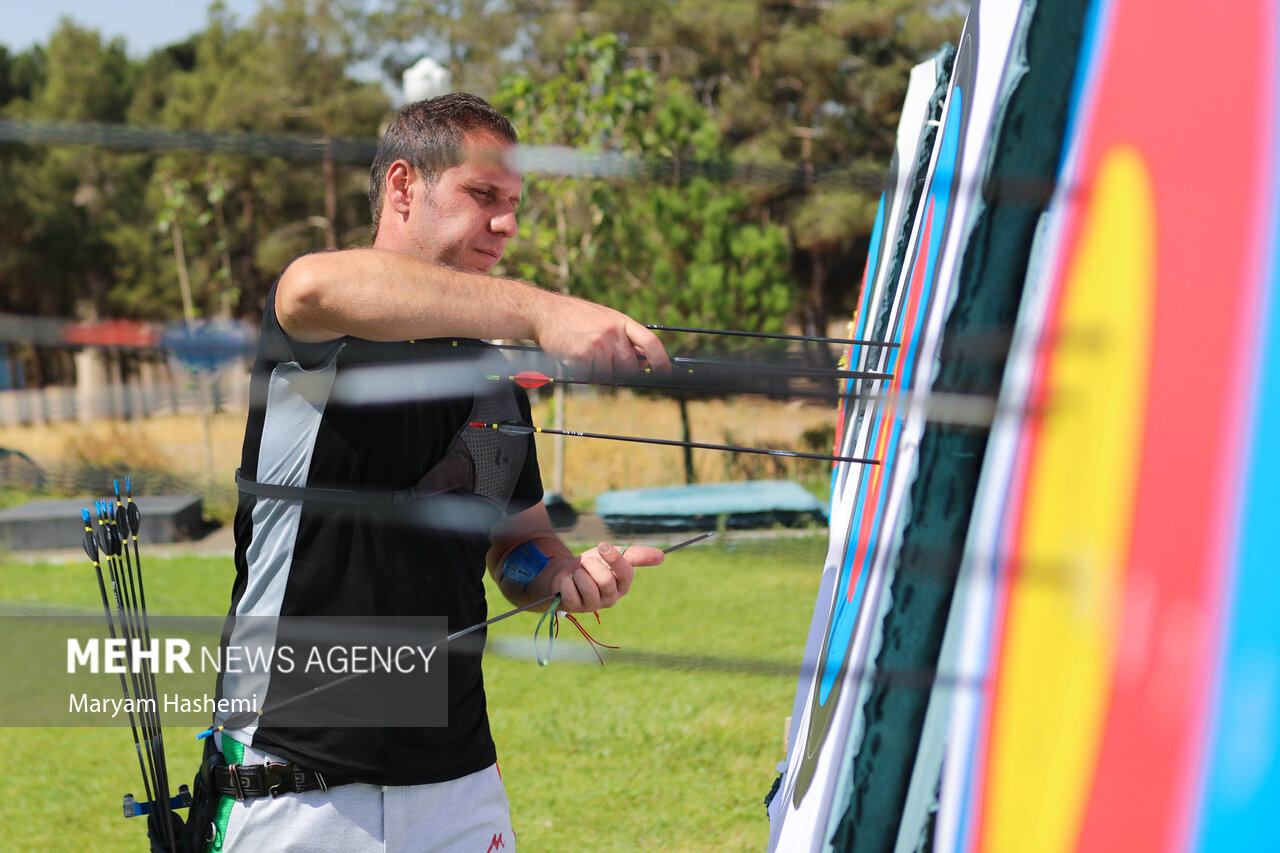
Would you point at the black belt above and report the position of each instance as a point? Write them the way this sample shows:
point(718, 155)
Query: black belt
point(244, 781)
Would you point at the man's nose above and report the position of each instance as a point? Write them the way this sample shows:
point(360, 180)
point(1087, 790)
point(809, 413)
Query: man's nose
point(504, 223)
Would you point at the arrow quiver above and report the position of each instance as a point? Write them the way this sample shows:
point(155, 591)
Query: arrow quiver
point(112, 546)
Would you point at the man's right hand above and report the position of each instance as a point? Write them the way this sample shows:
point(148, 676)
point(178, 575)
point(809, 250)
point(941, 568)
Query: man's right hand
point(597, 343)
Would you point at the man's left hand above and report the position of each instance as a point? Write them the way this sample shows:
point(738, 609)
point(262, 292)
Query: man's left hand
point(597, 578)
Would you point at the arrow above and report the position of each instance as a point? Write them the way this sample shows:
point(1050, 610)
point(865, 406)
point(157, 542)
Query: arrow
point(518, 428)
point(771, 336)
point(534, 379)
point(782, 370)
point(692, 364)
point(251, 716)
point(972, 410)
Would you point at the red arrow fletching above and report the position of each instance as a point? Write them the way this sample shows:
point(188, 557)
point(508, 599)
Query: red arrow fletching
point(531, 379)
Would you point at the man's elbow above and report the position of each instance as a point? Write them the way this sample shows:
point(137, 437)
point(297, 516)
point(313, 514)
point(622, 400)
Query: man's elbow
point(300, 299)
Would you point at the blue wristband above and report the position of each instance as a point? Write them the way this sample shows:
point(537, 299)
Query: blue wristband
point(523, 564)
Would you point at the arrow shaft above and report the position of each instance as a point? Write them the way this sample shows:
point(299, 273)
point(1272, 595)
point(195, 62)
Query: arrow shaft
point(778, 369)
point(770, 336)
point(811, 372)
point(525, 429)
point(527, 381)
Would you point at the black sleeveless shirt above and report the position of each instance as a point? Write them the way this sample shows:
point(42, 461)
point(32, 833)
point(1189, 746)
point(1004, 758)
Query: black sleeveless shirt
point(375, 419)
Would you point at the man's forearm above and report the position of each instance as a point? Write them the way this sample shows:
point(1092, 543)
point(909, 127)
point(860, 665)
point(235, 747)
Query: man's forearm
point(380, 295)
point(542, 584)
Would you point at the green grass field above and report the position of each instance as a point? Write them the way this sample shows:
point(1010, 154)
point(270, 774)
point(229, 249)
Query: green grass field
point(671, 746)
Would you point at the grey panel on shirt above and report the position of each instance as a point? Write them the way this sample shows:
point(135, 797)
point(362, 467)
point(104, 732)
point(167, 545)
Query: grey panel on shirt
point(295, 406)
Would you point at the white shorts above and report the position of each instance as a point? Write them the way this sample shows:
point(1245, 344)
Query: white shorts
point(467, 815)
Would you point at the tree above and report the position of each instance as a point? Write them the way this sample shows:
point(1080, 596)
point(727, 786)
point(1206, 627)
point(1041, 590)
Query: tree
point(468, 37)
point(78, 225)
point(605, 240)
point(57, 204)
point(287, 74)
point(678, 251)
point(61, 201)
point(801, 83)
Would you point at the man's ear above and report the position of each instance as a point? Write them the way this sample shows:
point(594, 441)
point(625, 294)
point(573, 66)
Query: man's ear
point(400, 188)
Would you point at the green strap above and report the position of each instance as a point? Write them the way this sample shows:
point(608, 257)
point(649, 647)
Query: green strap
point(552, 628)
point(233, 752)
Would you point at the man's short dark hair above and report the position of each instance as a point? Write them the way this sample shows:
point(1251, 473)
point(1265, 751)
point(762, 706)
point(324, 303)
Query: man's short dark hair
point(429, 134)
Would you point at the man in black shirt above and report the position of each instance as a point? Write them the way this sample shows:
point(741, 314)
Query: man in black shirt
point(444, 196)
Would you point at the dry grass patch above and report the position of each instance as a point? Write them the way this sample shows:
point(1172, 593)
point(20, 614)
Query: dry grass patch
point(593, 466)
point(177, 444)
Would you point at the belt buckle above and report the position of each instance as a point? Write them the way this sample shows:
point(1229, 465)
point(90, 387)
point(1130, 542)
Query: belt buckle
point(233, 771)
point(275, 773)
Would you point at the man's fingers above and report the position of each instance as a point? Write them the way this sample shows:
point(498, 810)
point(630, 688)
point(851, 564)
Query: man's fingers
point(593, 587)
point(611, 575)
point(570, 599)
point(594, 363)
point(598, 343)
point(606, 364)
point(644, 555)
point(615, 357)
point(603, 575)
point(620, 568)
point(647, 343)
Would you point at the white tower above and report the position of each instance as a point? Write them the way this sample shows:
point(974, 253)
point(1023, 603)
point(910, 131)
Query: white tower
point(426, 78)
